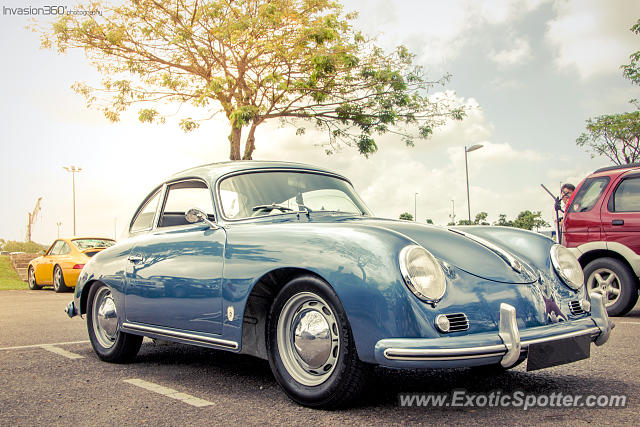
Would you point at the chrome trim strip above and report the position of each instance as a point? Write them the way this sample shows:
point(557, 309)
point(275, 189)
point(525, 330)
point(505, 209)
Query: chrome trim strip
point(183, 335)
point(439, 354)
point(509, 259)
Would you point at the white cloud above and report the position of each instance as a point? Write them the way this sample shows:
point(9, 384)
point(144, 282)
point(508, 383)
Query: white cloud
point(519, 53)
point(592, 37)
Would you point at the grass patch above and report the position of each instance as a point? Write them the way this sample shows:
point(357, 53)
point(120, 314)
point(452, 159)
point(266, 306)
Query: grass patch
point(9, 279)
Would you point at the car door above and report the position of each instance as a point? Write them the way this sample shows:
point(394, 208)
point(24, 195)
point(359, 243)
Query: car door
point(175, 270)
point(44, 269)
point(621, 215)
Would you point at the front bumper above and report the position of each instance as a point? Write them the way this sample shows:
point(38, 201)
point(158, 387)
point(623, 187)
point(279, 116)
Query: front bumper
point(506, 347)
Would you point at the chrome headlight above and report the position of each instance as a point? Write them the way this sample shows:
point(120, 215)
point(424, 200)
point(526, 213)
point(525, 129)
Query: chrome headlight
point(422, 273)
point(567, 266)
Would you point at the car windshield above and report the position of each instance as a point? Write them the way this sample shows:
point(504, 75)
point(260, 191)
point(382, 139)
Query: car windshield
point(268, 193)
point(588, 194)
point(83, 244)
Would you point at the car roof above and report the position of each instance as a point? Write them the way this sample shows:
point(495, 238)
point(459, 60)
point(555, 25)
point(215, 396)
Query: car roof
point(213, 171)
point(620, 169)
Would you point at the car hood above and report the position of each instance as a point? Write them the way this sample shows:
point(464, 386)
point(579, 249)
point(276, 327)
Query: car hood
point(462, 251)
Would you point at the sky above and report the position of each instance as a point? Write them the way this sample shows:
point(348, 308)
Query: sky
point(530, 71)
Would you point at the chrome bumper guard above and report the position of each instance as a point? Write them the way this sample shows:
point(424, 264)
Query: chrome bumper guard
point(512, 346)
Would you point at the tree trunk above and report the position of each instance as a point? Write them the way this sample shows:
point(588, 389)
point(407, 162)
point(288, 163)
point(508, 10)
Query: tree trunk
point(234, 141)
point(250, 145)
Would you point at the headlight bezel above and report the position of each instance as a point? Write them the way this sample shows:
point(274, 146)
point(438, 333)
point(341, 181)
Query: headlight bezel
point(557, 253)
point(412, 282)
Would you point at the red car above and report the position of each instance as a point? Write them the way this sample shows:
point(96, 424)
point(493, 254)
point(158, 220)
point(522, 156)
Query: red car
point(602, 228)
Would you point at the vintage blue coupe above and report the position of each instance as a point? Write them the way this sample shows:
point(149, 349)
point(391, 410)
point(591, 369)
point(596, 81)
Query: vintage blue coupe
point(284, 262)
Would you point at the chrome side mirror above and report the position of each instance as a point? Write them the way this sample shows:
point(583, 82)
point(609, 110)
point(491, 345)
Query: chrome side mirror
point(196, 215)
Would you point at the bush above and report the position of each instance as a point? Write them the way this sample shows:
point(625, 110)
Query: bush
point(28, 247)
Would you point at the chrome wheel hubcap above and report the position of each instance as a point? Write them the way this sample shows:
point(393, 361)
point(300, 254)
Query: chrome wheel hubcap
point(32, 278)
point(105, 318)
point(57, 279)
point(308, 338)
point(606, 283)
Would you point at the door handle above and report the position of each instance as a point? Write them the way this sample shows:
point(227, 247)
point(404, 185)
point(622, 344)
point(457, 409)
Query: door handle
point(135, 258)
point(617, 222)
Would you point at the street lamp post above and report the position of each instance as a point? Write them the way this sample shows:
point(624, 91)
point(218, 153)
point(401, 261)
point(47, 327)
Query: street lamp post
point(453, 212)
point(73, 171)
point(58, 224)
point(415, 206)
point(466, 171)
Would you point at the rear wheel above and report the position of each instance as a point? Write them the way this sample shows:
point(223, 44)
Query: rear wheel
point(109, 343)
point(33, 285)
point(615, 282)
point(58, 280)
point(311, 348)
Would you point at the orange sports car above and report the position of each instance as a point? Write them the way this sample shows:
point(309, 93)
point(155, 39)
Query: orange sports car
point(62, 263)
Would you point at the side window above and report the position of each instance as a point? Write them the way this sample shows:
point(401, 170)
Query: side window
point(55, 248)
point(183, 196)
point(144, 217)
point(588, 194)
point(627, 196)
point(65, 249)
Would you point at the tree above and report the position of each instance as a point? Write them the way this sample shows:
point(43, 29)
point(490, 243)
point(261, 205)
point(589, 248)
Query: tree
point(464, 222)
point(502, 221)
point(481, 219)
point(530, 220)
point(615, 136)
point(429, 221)
point(299, 61)
point(406, 216)
point(631, 71)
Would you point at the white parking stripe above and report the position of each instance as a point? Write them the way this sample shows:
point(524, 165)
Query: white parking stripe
point(42, 345)
point(169, 392)
point(62, 352)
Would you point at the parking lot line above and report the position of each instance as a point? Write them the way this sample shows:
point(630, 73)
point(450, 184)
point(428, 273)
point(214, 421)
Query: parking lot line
point(62, 352)
point(169, 392)
point(20, 347)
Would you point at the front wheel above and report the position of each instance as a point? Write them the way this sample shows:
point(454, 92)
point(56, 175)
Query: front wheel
point(58, 280)
point(311, 348)
point(33, 285)
point(109, 343)
point(615, 282)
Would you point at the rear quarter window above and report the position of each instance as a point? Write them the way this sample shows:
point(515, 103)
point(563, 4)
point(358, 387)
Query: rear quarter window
point(627, 196)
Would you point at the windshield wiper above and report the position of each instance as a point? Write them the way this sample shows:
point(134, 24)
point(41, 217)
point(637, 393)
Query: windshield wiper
point(271, 207)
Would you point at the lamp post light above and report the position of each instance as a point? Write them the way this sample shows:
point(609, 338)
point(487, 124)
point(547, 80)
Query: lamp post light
point(415, 206)
point(73, 171)
point(466, 171)
point(58, 224)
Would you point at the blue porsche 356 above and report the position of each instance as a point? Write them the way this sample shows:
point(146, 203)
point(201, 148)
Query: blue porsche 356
point(284, 262)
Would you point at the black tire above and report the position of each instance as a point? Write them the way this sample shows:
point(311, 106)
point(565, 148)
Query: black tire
point(58, 280)
point(109, 343)
point(334, 376)
point(615, 281)
point(31, 279)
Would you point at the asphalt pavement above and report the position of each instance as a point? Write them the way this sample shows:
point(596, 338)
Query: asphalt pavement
point(49, 375)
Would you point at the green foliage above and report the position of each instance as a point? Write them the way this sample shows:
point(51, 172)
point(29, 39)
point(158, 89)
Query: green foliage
point(28, 247)
point(502, 221)
point(631, 71)
point(429, 221)
point(406, 216)
point(529, 220)
point(300, 62)
point(464, 222)
point(615, 136)
point(481, 219)
point(9, 279)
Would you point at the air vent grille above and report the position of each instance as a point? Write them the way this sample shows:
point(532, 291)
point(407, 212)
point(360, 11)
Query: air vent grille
point(458, 322)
